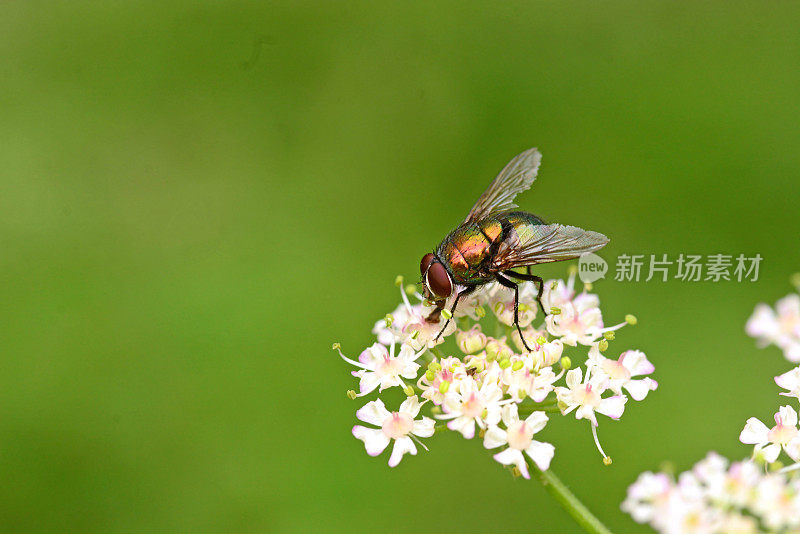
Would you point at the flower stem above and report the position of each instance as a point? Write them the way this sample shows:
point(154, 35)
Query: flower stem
point(570, 502)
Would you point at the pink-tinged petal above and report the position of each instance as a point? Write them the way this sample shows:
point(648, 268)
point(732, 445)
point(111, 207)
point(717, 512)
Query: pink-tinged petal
point(613, 406)
point(495, 437)
point(637, 363)
point(374, 440)
point(372, 354)
point(536, 421)
point(639, 388)
point(464, 426)
point(762, 323)
point(423, 428)
point(789, 380)
point(541, 453)
point(788, 306)
point(374, 413)
point(792, 352)
point(513, 457)
point(411, 406)
point(368, 383)
point(787, 416)
point(754, 432)
point(401, 447)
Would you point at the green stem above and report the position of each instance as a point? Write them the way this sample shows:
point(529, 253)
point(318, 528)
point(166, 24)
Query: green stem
point(570, 502)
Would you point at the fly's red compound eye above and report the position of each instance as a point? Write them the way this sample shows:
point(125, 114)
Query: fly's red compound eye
point(425, 263)
point(438, 281)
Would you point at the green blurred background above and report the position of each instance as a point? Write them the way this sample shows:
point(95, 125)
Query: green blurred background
point(198, 198)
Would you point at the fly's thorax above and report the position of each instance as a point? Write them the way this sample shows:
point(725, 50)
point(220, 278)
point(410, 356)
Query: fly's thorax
point(466, 251)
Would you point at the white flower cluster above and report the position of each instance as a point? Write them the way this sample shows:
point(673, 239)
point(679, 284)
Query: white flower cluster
point(715, 497)
point(490, 385)
point(779, 327)
point(755, 495)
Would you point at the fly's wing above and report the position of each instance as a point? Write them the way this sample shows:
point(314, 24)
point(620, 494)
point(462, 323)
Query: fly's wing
point(545, 243)
point(516, 177)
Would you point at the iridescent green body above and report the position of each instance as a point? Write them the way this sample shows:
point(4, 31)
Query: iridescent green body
point(468, 250)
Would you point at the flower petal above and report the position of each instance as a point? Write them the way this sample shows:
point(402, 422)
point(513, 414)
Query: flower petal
point(375, 441)
point(513, 457)
point(612, 406)
point(401, 446)
point(787, 416)
point(423, 428)
point(536, 421)
point(789, 380)
point(541, 453)
point(373, 412)
point(369, 381)
point(463, 425)
point(754, 432)
point(495, 437)
point(411, 406)
point(639, 388)
point(637, 363)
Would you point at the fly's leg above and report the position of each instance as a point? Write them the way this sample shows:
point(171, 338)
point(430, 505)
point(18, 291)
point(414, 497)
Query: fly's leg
point(463, 293)
point(433, 317)
point(531, 278)
point(503, 281)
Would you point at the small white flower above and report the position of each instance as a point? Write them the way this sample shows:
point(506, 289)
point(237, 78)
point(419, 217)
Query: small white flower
point(399, 426)
point(435, 384)
point(580, 321)
point(409, 324)
point(780, 326)
point(498, 349)
point(769, 441)
point(790, 381)
point(527, 380)
point(472, 340)
point(585, 395)
point(547, 354)
point(472, 405)
point(518, 435)
point(381, 368)
point(620, 372)
point(558, 294)
point(501, 301)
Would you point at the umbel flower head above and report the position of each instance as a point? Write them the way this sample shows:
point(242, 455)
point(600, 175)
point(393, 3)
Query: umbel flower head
point(476, 377)
point(758, 494)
